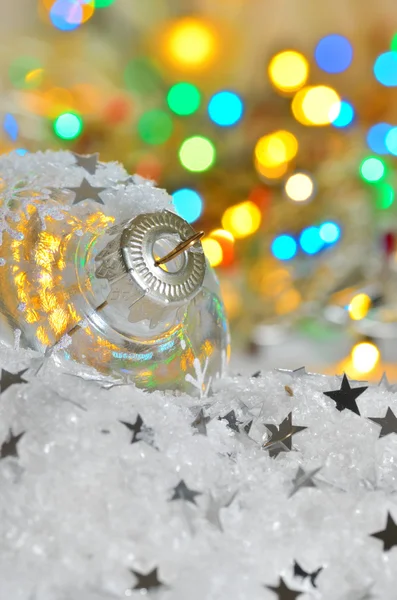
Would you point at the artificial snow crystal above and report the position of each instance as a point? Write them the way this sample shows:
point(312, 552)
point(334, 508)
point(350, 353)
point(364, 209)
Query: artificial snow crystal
point(87, 502)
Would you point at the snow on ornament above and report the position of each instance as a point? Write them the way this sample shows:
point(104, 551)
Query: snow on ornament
point(107, 274)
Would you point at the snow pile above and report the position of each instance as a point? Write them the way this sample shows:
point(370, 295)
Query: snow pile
point(106, 490)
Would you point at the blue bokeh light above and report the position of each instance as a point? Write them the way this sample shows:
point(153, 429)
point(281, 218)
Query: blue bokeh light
point(284, 247)
point(334, 53)
point(21, 151)
point(385, 69)
point(10, 126)
point(188, 204)
point(225, 109)
point(376, 137)
point(391, 141)
point(310, 240)
point(66, 15)
point(345, 115)
point(329, 232)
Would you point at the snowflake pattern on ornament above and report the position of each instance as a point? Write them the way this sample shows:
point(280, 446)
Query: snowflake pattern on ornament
point(199, 381)
point(44, 210)
point(6, 218)
point(16, 198)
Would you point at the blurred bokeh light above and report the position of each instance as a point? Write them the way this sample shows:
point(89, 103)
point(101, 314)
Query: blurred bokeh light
point(274, 130)
point(288, 70)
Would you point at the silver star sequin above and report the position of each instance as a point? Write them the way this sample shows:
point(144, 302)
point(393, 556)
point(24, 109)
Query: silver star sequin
point(303, 479)
point(88, 162)
point(388, 423)
point(385, 385)
point(86, 191)
point(213, 509)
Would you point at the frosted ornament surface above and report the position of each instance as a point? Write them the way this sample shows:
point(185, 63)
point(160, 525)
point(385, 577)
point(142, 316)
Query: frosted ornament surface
point(47, 277)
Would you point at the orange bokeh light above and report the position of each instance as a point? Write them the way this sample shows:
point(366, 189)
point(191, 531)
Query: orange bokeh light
point(226, 241)
point(149, 167)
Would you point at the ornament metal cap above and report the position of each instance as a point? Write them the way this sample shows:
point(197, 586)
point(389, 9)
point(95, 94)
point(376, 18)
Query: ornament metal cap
point(156, 259)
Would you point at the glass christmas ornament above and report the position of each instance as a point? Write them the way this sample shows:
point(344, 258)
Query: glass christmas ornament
point(95, 267)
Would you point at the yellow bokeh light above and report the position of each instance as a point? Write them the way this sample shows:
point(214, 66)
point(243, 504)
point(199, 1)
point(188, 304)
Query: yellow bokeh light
point(297, 106)
point(272, 153)
point(271, 172)
point(315, 105)
point(275, 149)
point(35, 76)
point(242, 219)
point(47, 4)
point(288, 301)
point(213, 251)
point(365, 356)
point(290, 143)
point(299, 187)
point(275, 282)
point(359, 307)
point(191, 42)
point(87, 9)
point(288, 71)
point(58, 100)
point(222, 233)
point(319, 104)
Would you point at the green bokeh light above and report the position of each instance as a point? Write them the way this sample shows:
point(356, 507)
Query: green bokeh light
point(68, 126)
point(184, 98)
point(197, 154)
point(141, 76)
point(19, 69)
point(393, 44)
point(155, 127)
point(385, 196)
point(103, 3)
point(372, 169)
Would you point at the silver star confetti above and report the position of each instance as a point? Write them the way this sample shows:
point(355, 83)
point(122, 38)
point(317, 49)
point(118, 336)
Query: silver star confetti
point(8, 379)
point(10, 446)
point(213, 509)
point(301, 371)
point(388, 535)
point(86, 191)
point(303, 479)
point(231, 419)
point(385, 385)
point(299, 572)
point(281, 438)
point(283, 591)
point(346, 396)
point(388, 423)
point(182, 492)
point(88, 162)
point(200, 423)
point(145, 581)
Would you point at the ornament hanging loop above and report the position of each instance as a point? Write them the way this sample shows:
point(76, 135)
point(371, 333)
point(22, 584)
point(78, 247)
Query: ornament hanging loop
point(181, 247)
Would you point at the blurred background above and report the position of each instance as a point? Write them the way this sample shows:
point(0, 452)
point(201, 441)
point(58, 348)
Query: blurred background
point(274, 127)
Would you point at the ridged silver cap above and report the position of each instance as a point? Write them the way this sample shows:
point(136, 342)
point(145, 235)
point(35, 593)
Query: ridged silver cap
point(128, 263)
